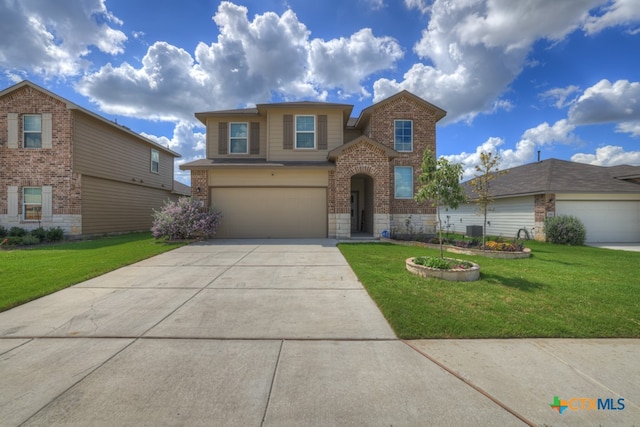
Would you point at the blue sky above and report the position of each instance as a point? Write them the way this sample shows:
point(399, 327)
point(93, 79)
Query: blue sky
point(557, 76)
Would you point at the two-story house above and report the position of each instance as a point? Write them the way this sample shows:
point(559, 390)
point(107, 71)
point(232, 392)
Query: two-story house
point(64, 166)
point(308, 169)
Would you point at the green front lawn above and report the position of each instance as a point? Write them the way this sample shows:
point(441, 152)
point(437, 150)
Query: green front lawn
point(28, 274)
point(561, 291)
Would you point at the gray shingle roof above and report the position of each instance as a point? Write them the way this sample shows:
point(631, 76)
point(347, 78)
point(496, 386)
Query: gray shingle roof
point(561, 176)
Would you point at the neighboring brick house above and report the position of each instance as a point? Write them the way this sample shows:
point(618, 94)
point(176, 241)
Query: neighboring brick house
point(308, 169)
point(64, 166)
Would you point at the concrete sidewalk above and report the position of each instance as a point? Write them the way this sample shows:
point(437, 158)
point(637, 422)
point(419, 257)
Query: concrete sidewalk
point(279, 333)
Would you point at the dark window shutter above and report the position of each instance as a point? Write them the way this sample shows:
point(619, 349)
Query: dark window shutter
point(254, 138)
point(223, 137)
point(287, 132)
point(322, 132)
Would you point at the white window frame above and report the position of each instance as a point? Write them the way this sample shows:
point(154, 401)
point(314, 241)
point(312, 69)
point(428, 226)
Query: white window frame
point(395, 141)
point(305, 132)
point(155, 163)
point(245, 138)
point(25, 131)
point(396, 172)
point(25, 205)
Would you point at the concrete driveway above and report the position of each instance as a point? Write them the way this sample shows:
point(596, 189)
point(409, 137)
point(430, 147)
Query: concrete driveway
point(633, 247)
point(278, 333)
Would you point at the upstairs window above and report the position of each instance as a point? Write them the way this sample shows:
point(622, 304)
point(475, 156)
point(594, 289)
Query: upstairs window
point(155, 161)
point(238, 138)
point(305, 132)
point(403, 134)
point(403, 182)
point(32, 131)
point(32, 203)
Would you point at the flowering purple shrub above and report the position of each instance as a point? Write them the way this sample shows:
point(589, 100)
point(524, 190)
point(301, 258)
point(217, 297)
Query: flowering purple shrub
point(184, 220)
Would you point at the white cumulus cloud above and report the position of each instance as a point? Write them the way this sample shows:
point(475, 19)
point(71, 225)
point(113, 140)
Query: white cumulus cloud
point(615, 12)
point(607, 102)
point(53, 38)
point(251, 60)
point(609, 155)
point(561, 132)
point(472, 50)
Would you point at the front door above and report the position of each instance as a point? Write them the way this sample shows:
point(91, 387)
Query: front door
point(355, 223)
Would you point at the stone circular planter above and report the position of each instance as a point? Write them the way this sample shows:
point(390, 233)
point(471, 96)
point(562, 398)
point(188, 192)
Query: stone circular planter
point(455, 275)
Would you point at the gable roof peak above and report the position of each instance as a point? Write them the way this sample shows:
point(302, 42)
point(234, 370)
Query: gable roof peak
point(71, 106)
point(366, 113)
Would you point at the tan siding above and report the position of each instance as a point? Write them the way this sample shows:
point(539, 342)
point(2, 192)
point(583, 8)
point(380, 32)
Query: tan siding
point(112, 206)
point(290, 177)
point(104, 152)
point(213, 138)
point(275, 131)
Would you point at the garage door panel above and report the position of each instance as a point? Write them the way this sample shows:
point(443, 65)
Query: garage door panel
point(611, 221)
point(260, 212)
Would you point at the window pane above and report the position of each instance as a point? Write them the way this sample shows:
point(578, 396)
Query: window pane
point(32, 213)
point(155, 156)
point(403, 135)
point(33, 140)
point(404, 182)
point(33, 195)
point(32, 123)
point(304, 140)
point(239, 130)
point(32, 203)
point(238, 146)
point(305, 123)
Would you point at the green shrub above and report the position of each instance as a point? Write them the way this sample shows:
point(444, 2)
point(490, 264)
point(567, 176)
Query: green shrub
point(30, 239)
point(565, 229)
point(17, 232)
point(40, 233)
point(14, 240)
point(3, 232)
point(55, 234)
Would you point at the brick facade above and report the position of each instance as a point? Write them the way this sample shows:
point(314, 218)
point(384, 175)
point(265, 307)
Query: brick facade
point(424, 136)
point(361, 158)
point(200, 180)
point(37, 167)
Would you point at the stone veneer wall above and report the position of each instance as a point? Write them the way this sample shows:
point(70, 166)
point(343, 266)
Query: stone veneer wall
point(418, 223)
point(42, 166)
point(543, 204)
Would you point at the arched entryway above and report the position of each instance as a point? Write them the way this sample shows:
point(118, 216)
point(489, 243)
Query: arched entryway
point(361, 201)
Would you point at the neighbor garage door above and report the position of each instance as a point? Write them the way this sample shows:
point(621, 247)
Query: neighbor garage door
point(271, 212)
point(605, 221)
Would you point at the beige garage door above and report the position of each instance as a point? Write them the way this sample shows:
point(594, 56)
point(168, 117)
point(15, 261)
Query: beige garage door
point(271, 212)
